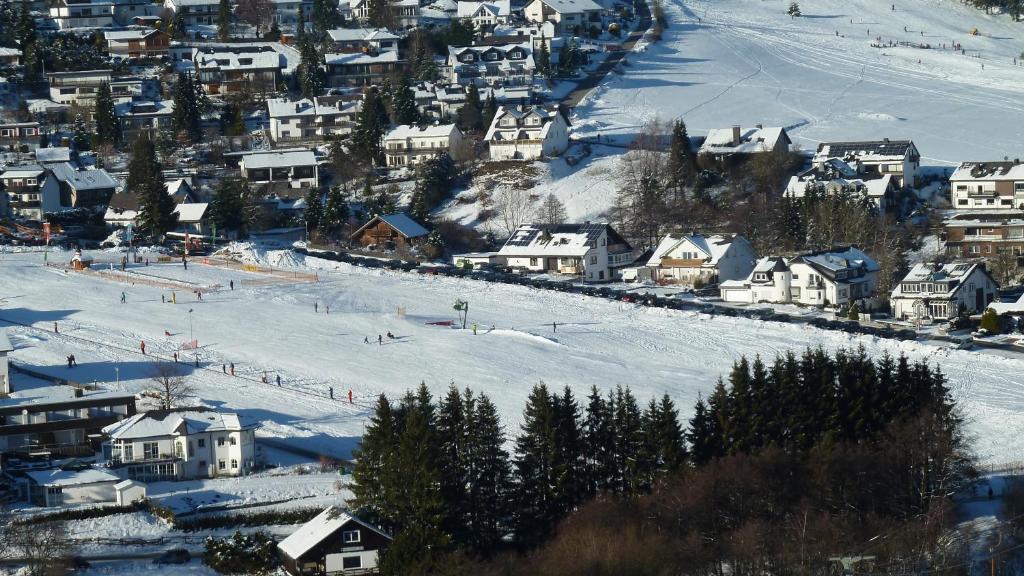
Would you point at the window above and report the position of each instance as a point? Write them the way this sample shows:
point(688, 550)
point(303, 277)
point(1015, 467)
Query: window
point(961, 202)
point(220, 441)
point(234, 464)
point(150, 450)
point(350, 536)
point(232, 440)
point(222, 465)
point(202, 442)
point(533, 261)
point(593, 259)
point(350, 562)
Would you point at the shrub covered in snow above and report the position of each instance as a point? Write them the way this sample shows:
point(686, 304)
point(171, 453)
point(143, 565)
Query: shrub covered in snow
point(254, 553)
point(265, 518)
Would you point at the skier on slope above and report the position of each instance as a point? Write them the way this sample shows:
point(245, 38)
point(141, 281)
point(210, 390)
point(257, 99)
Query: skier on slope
point(142, 346)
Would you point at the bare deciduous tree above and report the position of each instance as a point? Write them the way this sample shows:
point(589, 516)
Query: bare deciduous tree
point(256, 13)
point(513, 206)
point(169, 384)
point(551, 211)
point(42, 547)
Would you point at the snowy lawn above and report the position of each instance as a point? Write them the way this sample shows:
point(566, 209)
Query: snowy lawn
point(274, 329)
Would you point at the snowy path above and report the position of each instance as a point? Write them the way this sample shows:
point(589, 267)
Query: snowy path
point(735, 61)
point(274, 328)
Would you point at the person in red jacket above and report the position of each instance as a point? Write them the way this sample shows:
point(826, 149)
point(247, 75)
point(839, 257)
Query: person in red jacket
point(142, 346)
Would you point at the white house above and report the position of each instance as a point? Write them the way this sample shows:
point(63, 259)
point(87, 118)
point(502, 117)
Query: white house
point(569, 16)
point(195, 12)
point(897, 157)
point(592, 251)
point(938, 291)
point(363, 40)
point(405, 145)
point(73, 483)
point(150, 116)
point(485, 15)
point(290, 168)
point(527, 133)
point(31, 191)
point(180, 444)
point(71, 14)
point(506, 64)
point(137, 42)
point(988, 187)
point(334, 542)
point(835, 176)
point(5, 371)
point(311, 119)
point(735, 142)
point(687, 259)
point(80, 87)
point(831, 277)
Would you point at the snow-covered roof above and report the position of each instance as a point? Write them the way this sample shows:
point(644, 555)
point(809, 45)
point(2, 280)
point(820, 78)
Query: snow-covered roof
point(126, 484)
point(58, 394)
point(769, 263)
point(752, 140)
point(950, 276)
point(831, 261)
point(227, 60)
point(873, 188)
point(711, 247)
point(406, 131)
point(58, 477)
point(869, 151)
point(400, 222)
point(279, 159)
point(494, 7)
point(988, 171)
point(24, 171)
point(360, 34)
point(572, 6)
point(318, 529)
point(159, 423)
point(191, 213)
point(360, 58)
point(554, 240)
point(521, 131)
point(95, 179)
point(5, 343)
point(144, 108)
point(7, 52)
point(319, 106)
point(132, 34)
point(53, 154)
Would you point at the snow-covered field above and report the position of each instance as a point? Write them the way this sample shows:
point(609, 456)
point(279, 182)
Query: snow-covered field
point(273, 328)
point(726, 62)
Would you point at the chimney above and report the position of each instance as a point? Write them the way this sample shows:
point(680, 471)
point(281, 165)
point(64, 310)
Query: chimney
point(736, 135)
point(759, 126)
point(78, 392)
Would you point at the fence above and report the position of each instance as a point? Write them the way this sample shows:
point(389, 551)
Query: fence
point(273, 271)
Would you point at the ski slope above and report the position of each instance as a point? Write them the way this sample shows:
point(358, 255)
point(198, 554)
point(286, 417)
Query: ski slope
point(726, 62)
point(272, 327)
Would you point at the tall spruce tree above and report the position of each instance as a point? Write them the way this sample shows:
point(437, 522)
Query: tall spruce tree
point(544, 57)
point(489, 480)
point(311, 75)
point(314, 211)
point(375, 472)
point(300, 26)
point(471, 114)
point(536, 499)
point(227, 208)
point(224, 20)
point(146, 181)
point(108, 130)
point(454, 421)
point(185, 118)
point(80, 135)
point(403, 103)
point(630, 471)
point(490, 110)
point(680, 157)
point(599, 438)
point(336, 211)
point(371, 123)
point(568, 467)
point(703, 435)
point(663, 436)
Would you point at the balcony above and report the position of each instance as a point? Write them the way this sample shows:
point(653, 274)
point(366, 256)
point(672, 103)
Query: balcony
point(982, 194)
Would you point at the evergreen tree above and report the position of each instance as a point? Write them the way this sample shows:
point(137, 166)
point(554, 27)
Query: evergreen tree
point(454, 429)
point(489, 480)
point(379, 13)
point(403, 104)
point(536, 499)
point(108, 130)
point(568, 468)
point(336, 212)
point(300, 27)
point(680, 158)
point(145, 180)
point(314, 212)
point(702, 435)
point(628, 443)
point(490, 110)
point(185, 118)
point(176, 28)
point(415, 499)
point(312, 78)
point(375, 471)
point(25, 30)
point(371, 123)
point(544, 57)
point(471, 115)
point(234, 123)
point(422, 61)
point(224, 20)
point(80, 136)
point(227, 208)
point(663, 436)
point(599, 438)
point(990, 321)
point(325, 14)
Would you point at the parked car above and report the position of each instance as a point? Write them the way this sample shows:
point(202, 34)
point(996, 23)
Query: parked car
point(174, 556)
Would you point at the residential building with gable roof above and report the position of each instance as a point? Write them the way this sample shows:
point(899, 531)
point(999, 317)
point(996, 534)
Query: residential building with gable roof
point(389, 232)
point(527, 133)
point(569, 16)
point(407, 145)
point(496, 65)
point(485, 15)
point(595, 252)
point(825, 278)
point(314, 119)
point(723, 144)
point(288, 169)
point(334, 542)
point(137, 42)
point(348, 40)
point(31, 191)
point(708, 259)
point(988, 187)
point(835, 176)
point(899, 158)
point(934, 291)
point(180, 444)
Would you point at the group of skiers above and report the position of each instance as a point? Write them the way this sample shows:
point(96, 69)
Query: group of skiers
point(380, 338)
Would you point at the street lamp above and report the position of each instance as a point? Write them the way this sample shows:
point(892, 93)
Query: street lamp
point(117, 376)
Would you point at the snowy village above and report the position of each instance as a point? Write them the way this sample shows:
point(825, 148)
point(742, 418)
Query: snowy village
point(511, 287)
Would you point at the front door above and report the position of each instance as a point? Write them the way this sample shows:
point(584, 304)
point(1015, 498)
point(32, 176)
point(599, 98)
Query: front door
point(552, 264)
point(979, 299)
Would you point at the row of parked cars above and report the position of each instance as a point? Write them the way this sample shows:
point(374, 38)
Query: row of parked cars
point(506, 275)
